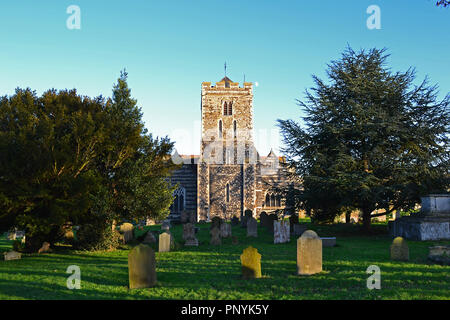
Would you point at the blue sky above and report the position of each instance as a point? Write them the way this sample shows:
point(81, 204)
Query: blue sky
point(170, 47)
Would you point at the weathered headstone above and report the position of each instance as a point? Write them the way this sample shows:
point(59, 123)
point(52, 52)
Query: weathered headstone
point(127, 230)
point(281, 231)
point(165, 226)
point(141, 267)
point(251, 263)
point(234, 221)
point(45, 248)
point(149, 237)
point(263, 219)
point(399, 250)
point(309, 253)
point(164, 242)
point(247, 214)
point(225, 230)
point(215, 237)
point(299, 229)
point(270, 221)
point(440, 254)
point(12, 255)
point(189, 235)
point(252, 227)
point(216, 222)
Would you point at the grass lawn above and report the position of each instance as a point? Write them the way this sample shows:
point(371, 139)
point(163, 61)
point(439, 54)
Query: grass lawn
point(209, 272)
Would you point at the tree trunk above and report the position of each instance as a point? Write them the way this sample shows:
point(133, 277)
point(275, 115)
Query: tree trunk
point(366, 219)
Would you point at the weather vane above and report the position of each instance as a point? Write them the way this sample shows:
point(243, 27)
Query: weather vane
point(225, 67)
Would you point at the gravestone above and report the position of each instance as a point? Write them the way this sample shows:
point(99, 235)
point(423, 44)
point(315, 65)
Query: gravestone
point(215, 237)
point(293, 220)
point(263, 219)
point(439, 254)
point(164, 242)
point(281, 231)
point(247, 214)
point(127, 230)
point(45, 248)
point(189, 235)
point(309, 253)
point(234, 221)
point(165, 226)
point(252, 227)
point(270, 221)
point(12, 236)
point(328, 241)
point(225, 230)
point(216, 222)
point(149, 238)
point(141, 267)
point(299, 229)
point(12, 255)
point(251, 263)
point(399, 250)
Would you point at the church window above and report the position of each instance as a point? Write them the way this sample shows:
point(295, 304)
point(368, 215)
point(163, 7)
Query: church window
point(228, 192)
point(230, 108)
point(220, 129)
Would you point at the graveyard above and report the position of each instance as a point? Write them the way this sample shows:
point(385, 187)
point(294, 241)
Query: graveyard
point(213, 272)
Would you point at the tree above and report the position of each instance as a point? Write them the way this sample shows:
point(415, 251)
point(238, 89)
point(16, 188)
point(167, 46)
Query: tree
point(67, 159)
point(443, 3)
point(371, 139)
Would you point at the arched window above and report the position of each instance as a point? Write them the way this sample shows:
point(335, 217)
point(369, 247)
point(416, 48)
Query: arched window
point(278, 201)
point(267, 200)
point(230, 108)
point(220, 128)
point(228, 193)
point(225, 108)
point(234, 129)
point(272, 200)
point(178, 204)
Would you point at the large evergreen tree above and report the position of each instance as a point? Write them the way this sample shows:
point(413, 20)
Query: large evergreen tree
point(371, 139)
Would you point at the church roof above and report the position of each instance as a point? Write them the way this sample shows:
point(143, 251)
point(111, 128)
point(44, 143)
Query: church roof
point(226, 79)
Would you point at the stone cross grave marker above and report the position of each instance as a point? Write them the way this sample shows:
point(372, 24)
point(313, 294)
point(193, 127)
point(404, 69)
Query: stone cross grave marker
point(309, 253)
point(141, 267)
point(251, 263)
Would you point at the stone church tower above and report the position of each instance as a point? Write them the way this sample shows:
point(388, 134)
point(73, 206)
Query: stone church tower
point(229, 176)
point(227, 163)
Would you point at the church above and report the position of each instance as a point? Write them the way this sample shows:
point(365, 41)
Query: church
point(229, 176)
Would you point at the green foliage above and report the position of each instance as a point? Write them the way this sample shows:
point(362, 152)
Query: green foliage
point(65, 158)
point(97, 236)
point(371, 139)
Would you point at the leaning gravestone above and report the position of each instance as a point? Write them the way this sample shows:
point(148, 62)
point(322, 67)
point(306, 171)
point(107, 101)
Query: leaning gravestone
point(141, 267)
point(164, 242)
point(281, 231)
point(399, 250)
point(215, 237)
point(225, 230)
point(12, 255)
point(189, 235)
point(251, 263)
point(252, 227)
point(127, 230)
point(309, 253)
